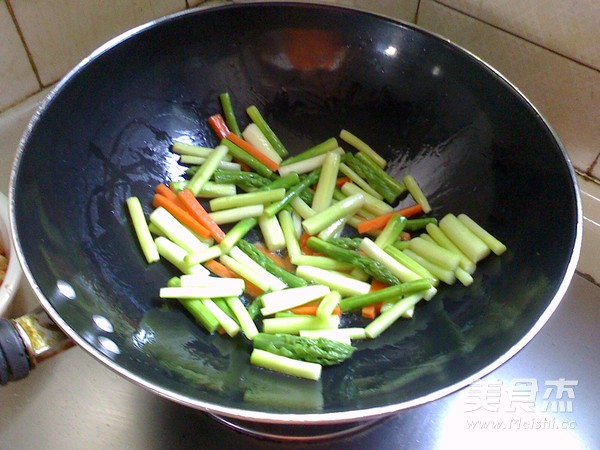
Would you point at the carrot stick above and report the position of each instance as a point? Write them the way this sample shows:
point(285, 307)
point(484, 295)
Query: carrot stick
point(371, 311)
point(217, 123)
point(163, 189)
point(198, 212)
point(180, 214)
point(342, 180)
point(379, 222)
point(252, 150)
point(224, 272)
point(311, 310)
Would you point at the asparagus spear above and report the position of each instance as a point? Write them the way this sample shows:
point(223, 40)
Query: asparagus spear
point(370, 266)
point(287, 277)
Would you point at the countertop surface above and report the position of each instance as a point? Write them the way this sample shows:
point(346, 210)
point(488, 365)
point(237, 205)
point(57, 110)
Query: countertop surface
point(546, 396)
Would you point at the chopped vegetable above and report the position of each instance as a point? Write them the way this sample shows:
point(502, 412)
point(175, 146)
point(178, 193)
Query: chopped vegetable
point(317, 350)
point(289, 366)
point(380, 222)
point(311, 275)
point(258, 119)
point(141, 230)
point(230, 118)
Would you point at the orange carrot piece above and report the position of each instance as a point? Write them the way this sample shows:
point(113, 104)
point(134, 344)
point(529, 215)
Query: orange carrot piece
point(163, 189)
point(368, 312)
point(342, 180)
point(253, 151)
point(377, 285)
point(217, 123)
point(283, 262)
point(302, 242)
point(224, 272)
point(311, 310)
point(180, 214)
point(379, 222)
point(198, 212)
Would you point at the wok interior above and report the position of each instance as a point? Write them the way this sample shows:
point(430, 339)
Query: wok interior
point(432, 110)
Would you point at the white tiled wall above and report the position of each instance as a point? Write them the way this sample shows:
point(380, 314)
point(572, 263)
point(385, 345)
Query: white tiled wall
point(547, 48)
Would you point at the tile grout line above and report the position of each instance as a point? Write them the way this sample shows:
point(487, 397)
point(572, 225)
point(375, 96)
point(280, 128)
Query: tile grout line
point(496, 27)
point(25, 46)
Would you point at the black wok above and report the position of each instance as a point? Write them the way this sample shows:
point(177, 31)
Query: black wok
point(472, 140)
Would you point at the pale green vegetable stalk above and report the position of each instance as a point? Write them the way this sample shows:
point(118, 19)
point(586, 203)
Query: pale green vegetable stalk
point(441, 239)
point(322, 262)
point(272, 232)
point(229, 325)
point(176, 256)
point(302, 208)
point(210, 189)
point(207, 169)
point(256, 137)
point(236, 214)
point(387, 318)
point(289, 233)
point(417, 194)
point(374, 252)
point(334, 230)
point(323, 219)
point(362, 146)
point(205, 255)
point(410, 263)
point(359, 181)
point(434, 253)
point(201, 291)
point(468, 243)
point(237, 232)
point(286, 299)
point(246, 273)
point(283, 364)
point(199, 160)
point(293, 325)
point(372, 203)
point(336, 281)
point(339, 334)
point(247, 199)
point(391, 232)
point(274, 283)
point(328, 304)
point(441, 273)
point(307, 165)
point(324, 192)
point(181, 148)
point(195, 280)
point(142, 232)
point(491, 241)
point(241, 313)
point(319, 149)
point(463, 276)
point(175, 231)
point(259, 120)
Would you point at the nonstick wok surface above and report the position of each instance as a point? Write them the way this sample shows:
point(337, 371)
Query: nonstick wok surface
point(472, 141)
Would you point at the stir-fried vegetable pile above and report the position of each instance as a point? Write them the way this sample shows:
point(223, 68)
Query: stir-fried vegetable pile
point(332, 243)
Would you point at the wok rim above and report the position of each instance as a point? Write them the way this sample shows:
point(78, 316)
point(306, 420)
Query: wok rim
point(249, 415)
